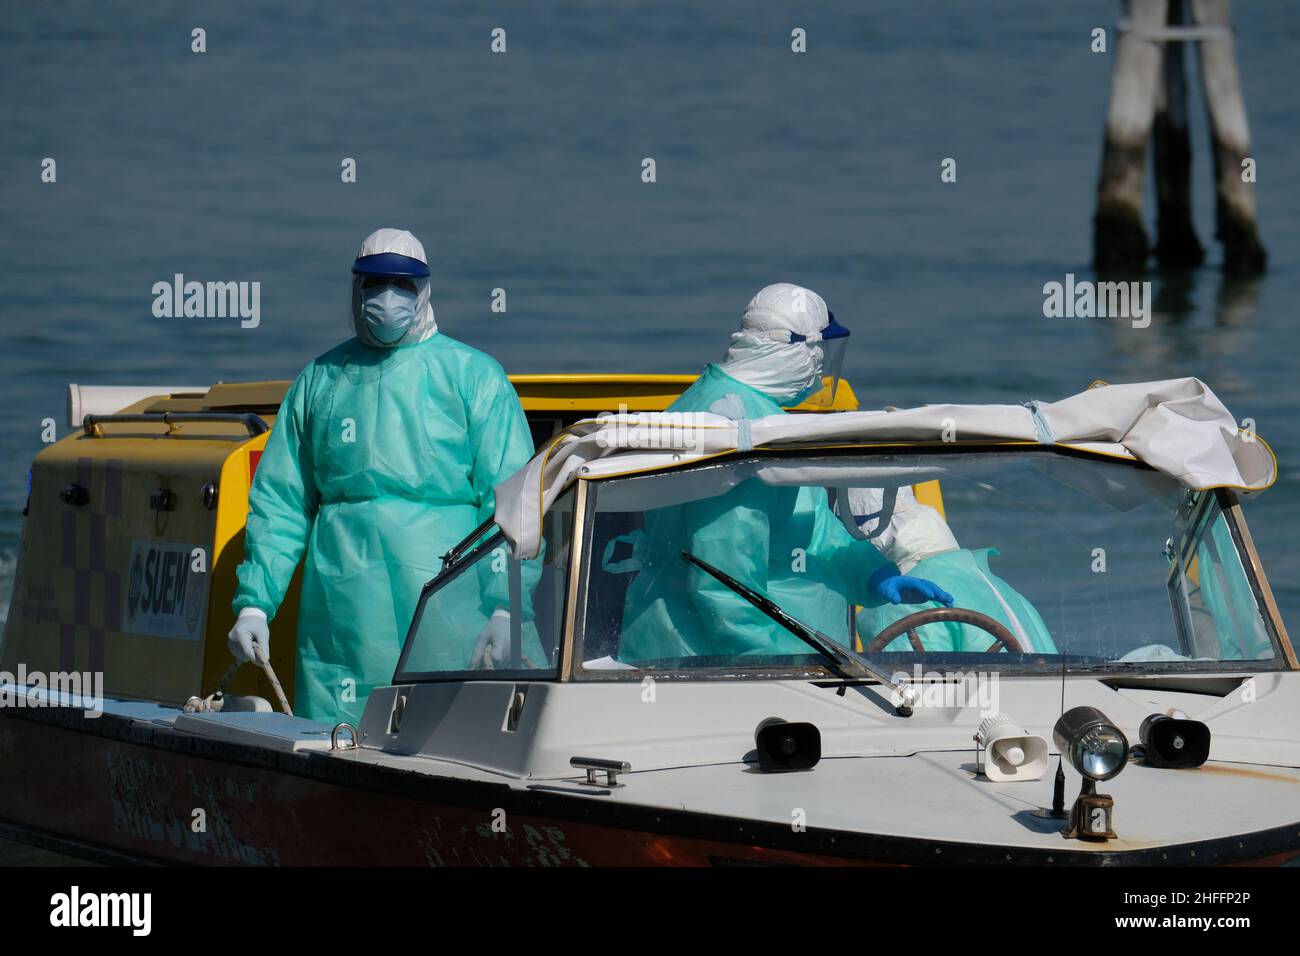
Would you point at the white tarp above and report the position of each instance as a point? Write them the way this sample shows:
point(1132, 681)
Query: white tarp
point(1178, 426)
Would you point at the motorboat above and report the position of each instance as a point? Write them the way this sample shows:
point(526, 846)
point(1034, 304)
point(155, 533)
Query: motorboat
point(1112, 685)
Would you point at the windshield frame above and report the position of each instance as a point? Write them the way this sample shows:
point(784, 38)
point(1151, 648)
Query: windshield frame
point(1235, 518)
point(1049, 665)
point(465, 559)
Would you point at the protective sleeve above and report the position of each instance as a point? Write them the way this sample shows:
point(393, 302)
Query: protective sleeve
point(499, 445)
point(857, 561)
point(734, 537)
point(916, 534)
point(281, 507)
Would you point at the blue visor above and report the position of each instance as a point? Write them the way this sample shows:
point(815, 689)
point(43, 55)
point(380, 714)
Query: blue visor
point(833, 329)
point(390, 264)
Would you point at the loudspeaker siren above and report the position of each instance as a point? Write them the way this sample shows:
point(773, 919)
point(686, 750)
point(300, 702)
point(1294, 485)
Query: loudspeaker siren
point(1176, 742)
point(1011, 753)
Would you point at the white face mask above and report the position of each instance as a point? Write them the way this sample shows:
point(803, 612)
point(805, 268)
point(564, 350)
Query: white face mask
point(390, 317)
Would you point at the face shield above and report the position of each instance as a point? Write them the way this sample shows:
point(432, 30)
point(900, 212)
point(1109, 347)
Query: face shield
point(390, 292)
point(831, 345)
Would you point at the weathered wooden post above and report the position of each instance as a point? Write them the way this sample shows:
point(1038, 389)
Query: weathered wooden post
point(1149, 94)
point(1119, 239)
point(1176, 242)
point(1234, 179)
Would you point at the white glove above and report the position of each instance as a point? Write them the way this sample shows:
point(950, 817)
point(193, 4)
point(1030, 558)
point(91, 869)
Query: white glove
point(493, 645)
point(250, 629)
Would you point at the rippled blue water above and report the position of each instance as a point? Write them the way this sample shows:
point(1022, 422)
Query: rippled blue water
point(522, 171)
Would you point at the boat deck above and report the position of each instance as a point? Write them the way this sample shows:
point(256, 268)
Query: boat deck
point(900, 806)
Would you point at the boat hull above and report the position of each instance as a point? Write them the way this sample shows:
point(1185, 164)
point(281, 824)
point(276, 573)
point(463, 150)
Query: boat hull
point(121, 791)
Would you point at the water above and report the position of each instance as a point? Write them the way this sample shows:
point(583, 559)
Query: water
point(522, 171)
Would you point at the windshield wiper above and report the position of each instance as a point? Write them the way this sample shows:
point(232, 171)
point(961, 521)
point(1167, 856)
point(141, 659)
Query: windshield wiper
point(843, 661)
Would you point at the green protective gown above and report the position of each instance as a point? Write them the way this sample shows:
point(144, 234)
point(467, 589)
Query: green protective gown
point(967, 577)
point(379, 462)
point(783, 541)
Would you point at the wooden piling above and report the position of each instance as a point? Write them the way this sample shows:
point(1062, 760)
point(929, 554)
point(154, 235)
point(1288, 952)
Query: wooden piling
point(1236, 224)
point(1120, 241)
point(1176, 243)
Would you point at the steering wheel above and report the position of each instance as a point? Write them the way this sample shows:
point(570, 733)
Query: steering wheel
point(957, 615)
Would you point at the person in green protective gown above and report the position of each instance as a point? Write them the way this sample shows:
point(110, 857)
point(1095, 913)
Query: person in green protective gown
point(784, 542)
point(383, 456)
point(918, 540)
point(975, 587)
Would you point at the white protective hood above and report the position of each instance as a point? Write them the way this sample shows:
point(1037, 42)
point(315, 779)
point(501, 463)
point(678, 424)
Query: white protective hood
point(1178, 427)
point(761, 353)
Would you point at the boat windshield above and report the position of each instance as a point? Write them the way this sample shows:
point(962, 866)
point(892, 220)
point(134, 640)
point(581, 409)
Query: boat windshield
point(1054, 558)
point(489, 615)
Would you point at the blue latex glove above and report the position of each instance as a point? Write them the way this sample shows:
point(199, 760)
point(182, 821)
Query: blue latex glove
point(890, 584)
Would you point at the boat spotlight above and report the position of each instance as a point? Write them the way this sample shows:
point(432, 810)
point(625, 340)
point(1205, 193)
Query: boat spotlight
point(1174, 741)
point(782, 745)
point(1096, 747)
point(1098, 750)
point(1009, 751)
